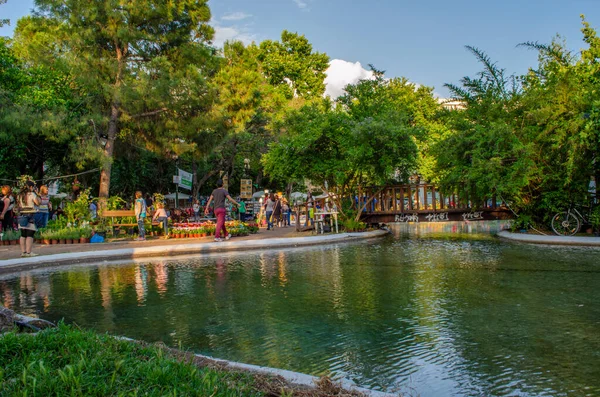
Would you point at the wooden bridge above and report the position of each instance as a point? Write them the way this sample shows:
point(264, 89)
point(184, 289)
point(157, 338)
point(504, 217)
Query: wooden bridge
point(424, 203)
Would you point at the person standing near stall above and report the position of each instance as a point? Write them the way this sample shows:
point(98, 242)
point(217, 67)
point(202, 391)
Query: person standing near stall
point(28, 200)
point(140, 214)
point(219, 195)
point(6, 208)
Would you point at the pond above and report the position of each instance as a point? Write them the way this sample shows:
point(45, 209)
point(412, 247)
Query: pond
point(432, 311)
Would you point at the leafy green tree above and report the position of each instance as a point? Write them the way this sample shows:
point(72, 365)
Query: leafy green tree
point(4, 21)
point(343, 148)
point(37, 104)
point(293, 67)
point(143, 66)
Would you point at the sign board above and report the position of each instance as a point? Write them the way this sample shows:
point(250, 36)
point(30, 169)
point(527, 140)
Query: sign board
point(226, 182)
point(246, 189)
point(185, 179)
point(176, 179)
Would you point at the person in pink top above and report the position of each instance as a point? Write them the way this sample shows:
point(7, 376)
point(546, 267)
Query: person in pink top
point(219, 195)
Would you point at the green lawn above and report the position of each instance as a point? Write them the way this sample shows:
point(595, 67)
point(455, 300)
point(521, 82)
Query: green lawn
point(65, 361)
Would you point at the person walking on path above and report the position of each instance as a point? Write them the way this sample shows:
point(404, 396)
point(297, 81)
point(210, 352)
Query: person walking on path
point(43, 212)
point(269, 205)
point(28, 200)
point(219, 195)
point(286, 213)
point(160, 215)
point(140, 214)
point(277, 212)
point(6, 208)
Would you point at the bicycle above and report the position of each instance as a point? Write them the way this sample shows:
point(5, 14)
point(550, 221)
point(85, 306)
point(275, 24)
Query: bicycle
point(567, 223)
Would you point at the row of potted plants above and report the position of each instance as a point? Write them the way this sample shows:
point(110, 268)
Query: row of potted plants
point(10, 238)
point(64, 236)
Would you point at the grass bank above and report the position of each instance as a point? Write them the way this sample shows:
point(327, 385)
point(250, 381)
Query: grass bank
point(68, 361)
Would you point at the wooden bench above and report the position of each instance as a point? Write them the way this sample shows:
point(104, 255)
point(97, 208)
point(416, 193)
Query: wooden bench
point(122, 214)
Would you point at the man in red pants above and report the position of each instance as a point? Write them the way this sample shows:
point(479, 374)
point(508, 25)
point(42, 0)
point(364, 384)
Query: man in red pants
point(219, 195)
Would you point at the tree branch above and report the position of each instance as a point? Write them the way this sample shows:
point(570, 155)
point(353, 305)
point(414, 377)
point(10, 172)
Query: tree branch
point(151, 113)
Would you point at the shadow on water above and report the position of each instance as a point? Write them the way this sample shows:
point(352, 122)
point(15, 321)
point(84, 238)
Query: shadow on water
point(430, 310)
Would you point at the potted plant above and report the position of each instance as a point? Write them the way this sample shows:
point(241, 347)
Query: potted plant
point(54, 237)
point(84, 235)
point(15, 238)
point(46, 237)
point(68, 236)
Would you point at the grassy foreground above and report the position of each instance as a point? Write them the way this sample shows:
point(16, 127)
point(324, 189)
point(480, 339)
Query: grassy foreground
point(65, 361)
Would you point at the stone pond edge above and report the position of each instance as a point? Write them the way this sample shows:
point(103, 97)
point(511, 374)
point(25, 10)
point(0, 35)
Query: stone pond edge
point(550, 240)
point(99, 256)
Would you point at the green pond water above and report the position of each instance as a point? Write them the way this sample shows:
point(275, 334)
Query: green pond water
point(427, 311)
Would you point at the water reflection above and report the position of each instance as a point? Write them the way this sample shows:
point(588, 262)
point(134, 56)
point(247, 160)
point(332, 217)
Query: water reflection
point(443, 316)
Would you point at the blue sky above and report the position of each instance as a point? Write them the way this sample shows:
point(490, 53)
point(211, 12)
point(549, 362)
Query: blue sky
point(423, 41)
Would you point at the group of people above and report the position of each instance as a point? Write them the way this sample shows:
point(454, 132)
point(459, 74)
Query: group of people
point(33, 207)
point(277, 211)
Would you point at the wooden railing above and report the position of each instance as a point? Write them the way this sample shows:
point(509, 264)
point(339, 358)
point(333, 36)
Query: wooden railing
point(422, 197)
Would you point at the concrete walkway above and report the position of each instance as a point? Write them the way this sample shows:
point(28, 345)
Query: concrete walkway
point(552, 240)
point(70, 254)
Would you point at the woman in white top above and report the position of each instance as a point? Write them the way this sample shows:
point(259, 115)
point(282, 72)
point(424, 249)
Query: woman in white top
point(27, 200)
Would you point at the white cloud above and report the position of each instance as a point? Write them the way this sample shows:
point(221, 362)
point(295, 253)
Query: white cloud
point(341, 73)
point(225, 33)
point(301, 3)
point(235, 16)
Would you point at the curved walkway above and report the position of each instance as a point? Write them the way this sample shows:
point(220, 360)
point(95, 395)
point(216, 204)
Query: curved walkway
point(552, 240)
point(156, 248)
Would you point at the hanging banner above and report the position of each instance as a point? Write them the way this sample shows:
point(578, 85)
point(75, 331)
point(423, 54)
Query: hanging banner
point(246, 189)
point(185, 179)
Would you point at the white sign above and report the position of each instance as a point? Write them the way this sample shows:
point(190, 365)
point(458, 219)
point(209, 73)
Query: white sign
point(185, 179)
point(176, 179)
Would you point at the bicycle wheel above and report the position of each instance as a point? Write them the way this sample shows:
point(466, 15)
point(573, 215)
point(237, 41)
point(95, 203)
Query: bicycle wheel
point(565, 224)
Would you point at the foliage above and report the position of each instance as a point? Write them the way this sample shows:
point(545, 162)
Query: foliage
point(79, 210)
point(141, 67)
point(353, 144)
point(352, 225)
point(293, 67)
point(532, 140)
point(68, 361)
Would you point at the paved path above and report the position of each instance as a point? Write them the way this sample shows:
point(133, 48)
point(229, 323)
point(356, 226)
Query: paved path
point(553, 240)
point(13, 252)
point(89, 253)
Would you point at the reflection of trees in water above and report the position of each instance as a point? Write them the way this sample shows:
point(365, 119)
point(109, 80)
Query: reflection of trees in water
point(476, 312)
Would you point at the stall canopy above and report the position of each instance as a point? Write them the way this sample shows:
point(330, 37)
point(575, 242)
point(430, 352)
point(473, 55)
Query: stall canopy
point(298, 195)
point(258, 195)
point(182, 196)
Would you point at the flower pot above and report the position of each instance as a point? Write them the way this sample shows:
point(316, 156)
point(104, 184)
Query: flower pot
point(84, 240)
point(62, 241)
point(46, 241)
point(13, 242)
point(54, 241)
point(68, 241)
point(75, 241)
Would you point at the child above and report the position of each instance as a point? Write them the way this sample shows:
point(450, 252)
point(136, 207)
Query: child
point(161, 216)
point(140, 214)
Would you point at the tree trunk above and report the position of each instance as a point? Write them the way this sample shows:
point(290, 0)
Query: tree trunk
point(111, 135)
